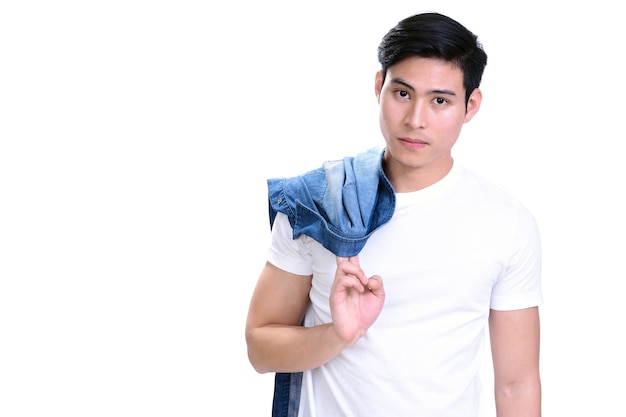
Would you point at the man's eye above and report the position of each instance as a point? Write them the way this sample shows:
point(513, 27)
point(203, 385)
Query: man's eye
point(403, 93)
point(440, 100)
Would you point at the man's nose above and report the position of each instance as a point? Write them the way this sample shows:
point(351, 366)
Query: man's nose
point(416, 117)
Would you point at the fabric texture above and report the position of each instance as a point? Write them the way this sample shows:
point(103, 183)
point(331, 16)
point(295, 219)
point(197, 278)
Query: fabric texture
point(339, 204)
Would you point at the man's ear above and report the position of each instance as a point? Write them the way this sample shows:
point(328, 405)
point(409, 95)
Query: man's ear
point(378, 84)
point(473, 104)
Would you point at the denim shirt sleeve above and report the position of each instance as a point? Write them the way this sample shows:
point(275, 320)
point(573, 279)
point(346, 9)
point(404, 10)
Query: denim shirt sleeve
point(339, 204)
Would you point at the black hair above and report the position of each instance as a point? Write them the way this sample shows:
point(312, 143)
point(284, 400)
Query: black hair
point(433, 35)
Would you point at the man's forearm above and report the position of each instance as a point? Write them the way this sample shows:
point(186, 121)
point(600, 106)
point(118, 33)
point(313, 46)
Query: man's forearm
point(292, 348)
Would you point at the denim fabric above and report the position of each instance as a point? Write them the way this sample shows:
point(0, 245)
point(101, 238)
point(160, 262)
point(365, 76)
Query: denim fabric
point(287, 388)
point(339, 204)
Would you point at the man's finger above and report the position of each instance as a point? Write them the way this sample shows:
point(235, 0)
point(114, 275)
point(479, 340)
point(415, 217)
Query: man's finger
point(375, 283)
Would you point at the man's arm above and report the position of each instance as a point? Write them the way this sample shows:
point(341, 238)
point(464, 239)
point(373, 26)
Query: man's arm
point(276, 340)
point(515, 351)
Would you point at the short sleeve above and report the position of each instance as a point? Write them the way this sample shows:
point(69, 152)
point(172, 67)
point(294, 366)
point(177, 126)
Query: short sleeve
point(287, 253)
point(519, 284)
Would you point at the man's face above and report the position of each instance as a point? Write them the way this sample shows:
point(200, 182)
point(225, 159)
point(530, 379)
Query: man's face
point(422, 110)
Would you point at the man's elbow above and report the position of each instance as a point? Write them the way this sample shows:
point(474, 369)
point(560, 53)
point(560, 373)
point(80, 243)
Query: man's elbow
point(519, 398)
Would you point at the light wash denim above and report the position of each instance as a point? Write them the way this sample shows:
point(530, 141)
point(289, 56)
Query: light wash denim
point(339, 205)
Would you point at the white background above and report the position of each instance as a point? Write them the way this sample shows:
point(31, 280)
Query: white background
point(135, 141)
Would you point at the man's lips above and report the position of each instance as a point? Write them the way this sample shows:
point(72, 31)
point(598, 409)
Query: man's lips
point(413, 143)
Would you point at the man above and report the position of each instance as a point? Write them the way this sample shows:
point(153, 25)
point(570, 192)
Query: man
point(385, 268)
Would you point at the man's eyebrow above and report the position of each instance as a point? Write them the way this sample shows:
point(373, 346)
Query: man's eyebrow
point(411, 88)
point(443, 92)
point(403, 83)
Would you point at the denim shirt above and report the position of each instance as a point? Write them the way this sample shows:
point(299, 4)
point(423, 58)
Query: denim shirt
point(339, 205)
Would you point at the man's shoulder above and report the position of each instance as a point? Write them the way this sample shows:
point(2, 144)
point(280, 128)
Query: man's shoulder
point(489, 193)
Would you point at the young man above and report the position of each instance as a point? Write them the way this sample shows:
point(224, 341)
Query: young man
point(385, 268)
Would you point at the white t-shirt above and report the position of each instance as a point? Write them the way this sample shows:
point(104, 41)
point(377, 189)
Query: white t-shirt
point(450, 253)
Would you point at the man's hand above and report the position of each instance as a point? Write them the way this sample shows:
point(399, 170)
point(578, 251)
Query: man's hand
point(355, 300)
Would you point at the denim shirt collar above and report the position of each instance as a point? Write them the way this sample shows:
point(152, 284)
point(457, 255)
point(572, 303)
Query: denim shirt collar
point(339, 204)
